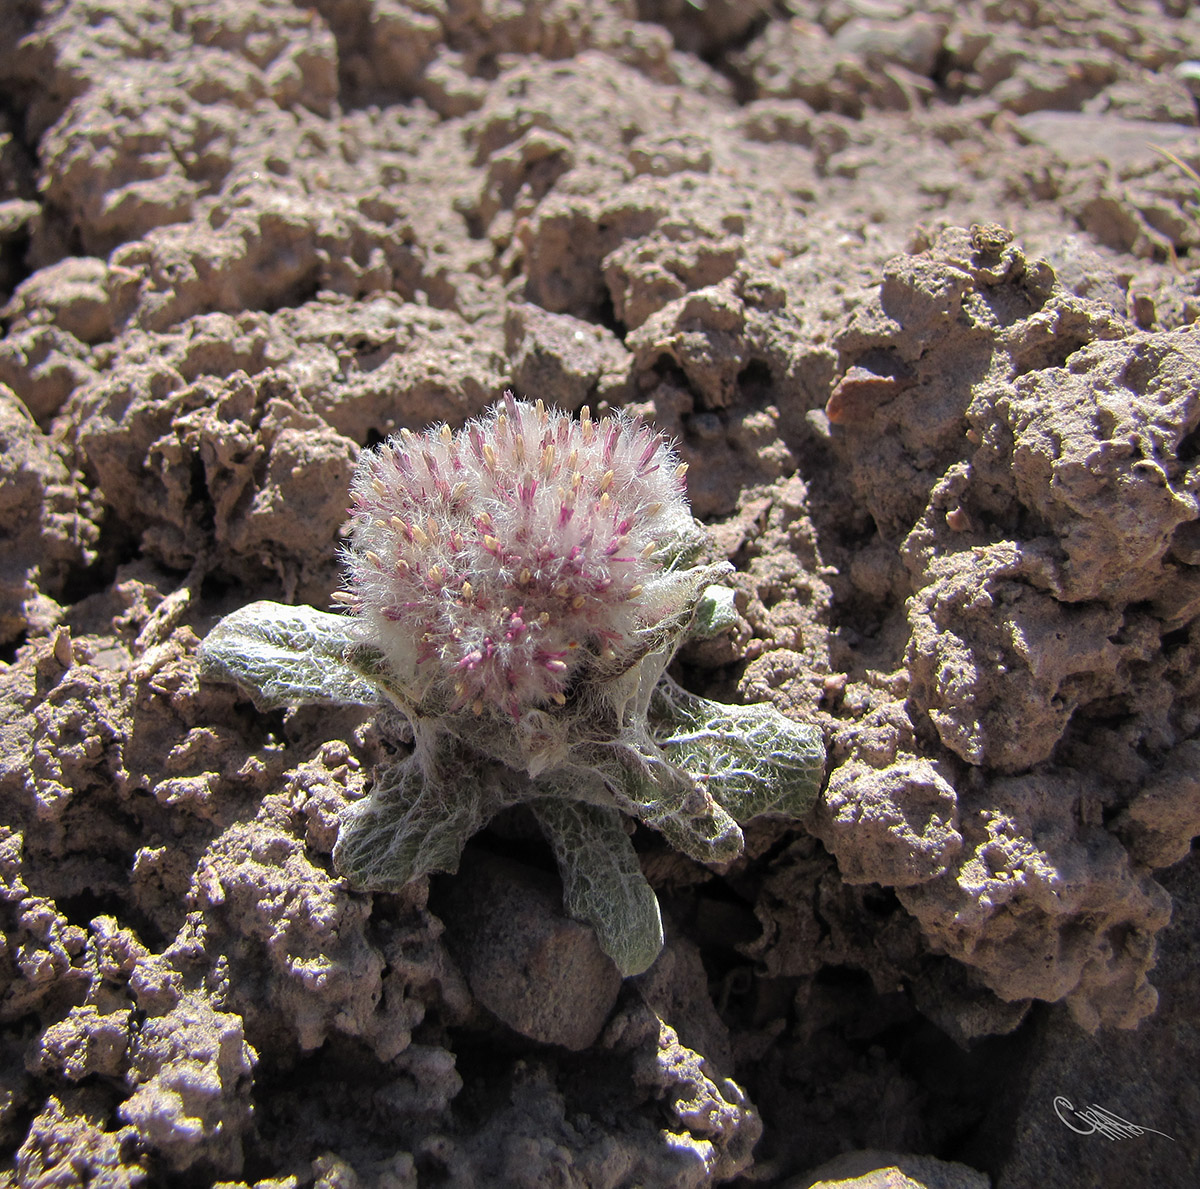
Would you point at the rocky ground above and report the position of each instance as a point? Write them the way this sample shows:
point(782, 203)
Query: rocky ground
point(914, 287)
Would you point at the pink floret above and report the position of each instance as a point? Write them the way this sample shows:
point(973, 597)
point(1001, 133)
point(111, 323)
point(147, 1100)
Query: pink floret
point(513, 552)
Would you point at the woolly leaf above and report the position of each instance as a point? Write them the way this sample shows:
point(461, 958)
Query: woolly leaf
point(752, 759)
point(287, 656)
point(645, 784)
point(716, 613)
point(602, 880)
point(415, 822)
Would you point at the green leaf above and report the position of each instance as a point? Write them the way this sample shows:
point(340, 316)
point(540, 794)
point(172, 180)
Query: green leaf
point(684, 542)
point(603, 882)
point(670, 600)
point(644, 783)
point(716, 613)
point(418, 817)
point(752, 759)
point(287, 656)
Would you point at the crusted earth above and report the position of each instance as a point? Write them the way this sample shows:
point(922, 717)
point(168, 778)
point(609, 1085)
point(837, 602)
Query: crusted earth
point(914, 288)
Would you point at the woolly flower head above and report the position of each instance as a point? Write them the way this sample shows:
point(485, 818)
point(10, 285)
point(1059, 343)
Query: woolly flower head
point(493, 565)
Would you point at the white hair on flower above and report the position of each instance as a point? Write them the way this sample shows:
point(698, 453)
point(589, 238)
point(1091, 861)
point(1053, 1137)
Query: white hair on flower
point(496, 561)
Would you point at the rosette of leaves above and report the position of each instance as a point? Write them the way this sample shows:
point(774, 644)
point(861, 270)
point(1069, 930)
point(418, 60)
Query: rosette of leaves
point(516, 591)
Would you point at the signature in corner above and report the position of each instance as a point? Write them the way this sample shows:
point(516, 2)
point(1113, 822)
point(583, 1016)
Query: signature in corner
point(1099, 1121)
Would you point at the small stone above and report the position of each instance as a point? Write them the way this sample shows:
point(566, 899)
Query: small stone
point(957, 520)
point(530, 965)
point(860, 391)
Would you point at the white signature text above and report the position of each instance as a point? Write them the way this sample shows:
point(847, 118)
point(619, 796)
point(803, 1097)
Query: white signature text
point(1098, 1121)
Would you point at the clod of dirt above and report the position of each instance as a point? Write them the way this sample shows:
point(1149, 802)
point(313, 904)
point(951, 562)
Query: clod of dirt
point(888, 1170)
point(190, 1072)
point(48, 517)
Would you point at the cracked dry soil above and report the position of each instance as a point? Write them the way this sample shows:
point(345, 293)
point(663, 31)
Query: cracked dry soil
point(915, 289)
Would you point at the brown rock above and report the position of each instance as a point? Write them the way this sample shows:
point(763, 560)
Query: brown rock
point(529, 964)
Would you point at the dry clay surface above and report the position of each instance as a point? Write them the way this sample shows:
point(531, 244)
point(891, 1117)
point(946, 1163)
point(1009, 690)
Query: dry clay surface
point(914, 292)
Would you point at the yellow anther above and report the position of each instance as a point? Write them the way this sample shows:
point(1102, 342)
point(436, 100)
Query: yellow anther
point(606, 482)
point(477, 707)
point(650, 549)
point(431, 527)
point(485, 518)
point(573, 460)
point(577, 602)
point(419, 535)
point(491, 544)
point(446, 435)
point(634, 591)
point(519, 447)
point(540, 405)
point(374, 558)
point(681, 470)
point(524, 577)
point(489, 456)
point(378, 487)
point(436, 574)
point(344, 597)
point(547, 460)
point(458, 491)
point(560, 698)
point(467, 590)
point(562, 590)
point(544, 618)
point(605, 502)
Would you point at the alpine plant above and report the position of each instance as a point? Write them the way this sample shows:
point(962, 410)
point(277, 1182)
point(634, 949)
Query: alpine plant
point(515, 591)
